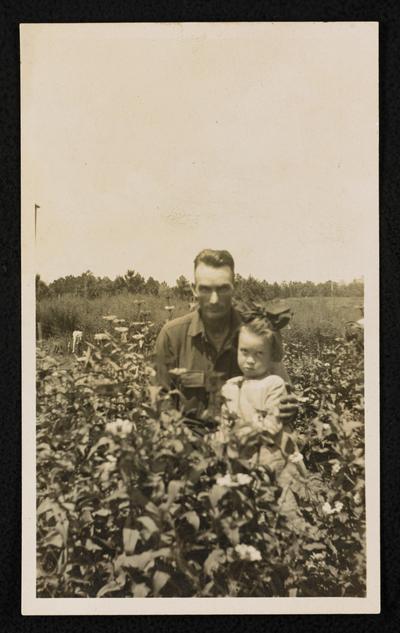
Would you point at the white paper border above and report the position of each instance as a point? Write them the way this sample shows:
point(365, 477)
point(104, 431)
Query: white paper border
point(31, 605)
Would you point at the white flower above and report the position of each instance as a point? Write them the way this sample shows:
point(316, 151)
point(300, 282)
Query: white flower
point(335, 468)
point(327, 509)
point(319, 556)
point(241, 479)
point(101, 336)
point(119, 427)
point(247, 552)
point(338, 506)
point(225, 481)
point(326, 427)
point(295, 458)
point(357, 498)
point(110, 317)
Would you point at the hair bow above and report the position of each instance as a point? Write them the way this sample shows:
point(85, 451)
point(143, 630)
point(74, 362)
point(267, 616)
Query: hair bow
point(276, 313)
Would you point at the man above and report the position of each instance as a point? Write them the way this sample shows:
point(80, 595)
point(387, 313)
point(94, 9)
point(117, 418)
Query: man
point(204, 341)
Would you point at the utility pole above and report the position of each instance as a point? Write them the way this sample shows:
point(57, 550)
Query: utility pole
point(36, 208)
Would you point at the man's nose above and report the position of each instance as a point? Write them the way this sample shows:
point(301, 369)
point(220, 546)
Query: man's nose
point(214, 297)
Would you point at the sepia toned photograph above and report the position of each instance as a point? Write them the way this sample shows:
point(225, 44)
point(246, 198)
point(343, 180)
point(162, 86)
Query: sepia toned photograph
point(200, 318)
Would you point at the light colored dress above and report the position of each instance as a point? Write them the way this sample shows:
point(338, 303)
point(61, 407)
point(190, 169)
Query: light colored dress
point(254, 406)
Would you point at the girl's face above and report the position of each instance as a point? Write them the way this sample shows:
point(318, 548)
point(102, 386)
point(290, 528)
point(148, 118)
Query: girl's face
point(254, 354)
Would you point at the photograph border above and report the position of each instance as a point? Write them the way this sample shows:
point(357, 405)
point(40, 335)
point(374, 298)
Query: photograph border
point(31, 605)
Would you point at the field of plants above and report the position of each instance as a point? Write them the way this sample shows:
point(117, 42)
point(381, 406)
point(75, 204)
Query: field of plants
point(134, 501)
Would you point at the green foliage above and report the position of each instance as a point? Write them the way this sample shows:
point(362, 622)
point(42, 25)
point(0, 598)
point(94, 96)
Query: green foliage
point(88, 286)
point(183, 288)
point(133, 502)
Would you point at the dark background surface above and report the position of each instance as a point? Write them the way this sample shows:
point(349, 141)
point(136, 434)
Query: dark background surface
point(11, 14)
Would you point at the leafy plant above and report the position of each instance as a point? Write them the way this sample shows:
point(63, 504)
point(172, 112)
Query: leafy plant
point(132, 501)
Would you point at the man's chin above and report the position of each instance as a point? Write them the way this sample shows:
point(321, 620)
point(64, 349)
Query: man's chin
point(216, 314)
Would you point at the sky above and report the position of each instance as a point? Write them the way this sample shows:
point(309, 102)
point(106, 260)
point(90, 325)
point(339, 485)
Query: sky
point(144, 144)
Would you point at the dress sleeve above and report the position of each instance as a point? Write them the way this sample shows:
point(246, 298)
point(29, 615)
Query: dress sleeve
point(274, 390)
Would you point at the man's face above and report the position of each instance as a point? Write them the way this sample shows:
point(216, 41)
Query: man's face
point(213, 289)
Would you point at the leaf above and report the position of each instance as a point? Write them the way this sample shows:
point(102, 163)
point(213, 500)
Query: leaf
point(141, 590)
point(91, 547)
point(160, 579)
point(192, 518)
point(102, 442)
point(141, 560)
point(309, 547)
point(174, 487)
point(54, 538)
point(149, 524)
point(114, 585)
point(62, 529)
point(216, 493)
point(130, 537)
point(213, 561)
point(46, 505)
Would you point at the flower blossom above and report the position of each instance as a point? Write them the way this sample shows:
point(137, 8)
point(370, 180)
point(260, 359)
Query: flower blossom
point(247, 552)
point(119, 427)
point(357, 498)
point(327, 508)
point(241, 480)
point(295, 458)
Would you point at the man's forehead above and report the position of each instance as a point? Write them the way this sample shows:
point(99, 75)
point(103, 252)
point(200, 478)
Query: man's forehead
point(205, 274)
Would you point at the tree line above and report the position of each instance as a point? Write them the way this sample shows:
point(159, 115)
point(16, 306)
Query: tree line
point(89, 286)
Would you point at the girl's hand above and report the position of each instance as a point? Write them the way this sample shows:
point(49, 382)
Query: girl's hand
point(272, 425)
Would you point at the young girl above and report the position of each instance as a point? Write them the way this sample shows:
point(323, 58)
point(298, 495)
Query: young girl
point(251, 401)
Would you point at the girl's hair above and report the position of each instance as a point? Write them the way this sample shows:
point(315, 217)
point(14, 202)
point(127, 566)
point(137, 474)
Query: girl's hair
point(263, 328)
point(258, 326)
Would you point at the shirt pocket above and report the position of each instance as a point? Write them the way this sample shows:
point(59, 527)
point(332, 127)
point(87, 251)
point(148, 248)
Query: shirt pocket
point(193, 379)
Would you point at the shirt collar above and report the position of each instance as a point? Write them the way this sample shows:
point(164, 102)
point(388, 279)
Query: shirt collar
point(197, 326)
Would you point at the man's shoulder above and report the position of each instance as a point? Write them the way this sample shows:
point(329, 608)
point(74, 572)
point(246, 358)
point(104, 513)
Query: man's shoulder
point(179, 324)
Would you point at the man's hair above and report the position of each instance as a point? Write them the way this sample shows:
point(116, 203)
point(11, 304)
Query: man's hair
point(217, 259)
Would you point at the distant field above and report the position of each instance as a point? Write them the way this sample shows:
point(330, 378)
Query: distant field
point(59, 317)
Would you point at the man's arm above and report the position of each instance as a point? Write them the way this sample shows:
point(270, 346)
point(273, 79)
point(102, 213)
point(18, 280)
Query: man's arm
point(289, 405)
point(165, 359)
point(279, 369)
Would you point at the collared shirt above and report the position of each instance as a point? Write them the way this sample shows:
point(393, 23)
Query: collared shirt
point(183, 343)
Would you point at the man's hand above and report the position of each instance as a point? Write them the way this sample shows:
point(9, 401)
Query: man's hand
point(288, 407)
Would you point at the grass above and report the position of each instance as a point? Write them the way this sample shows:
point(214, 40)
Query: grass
point(323, 316)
